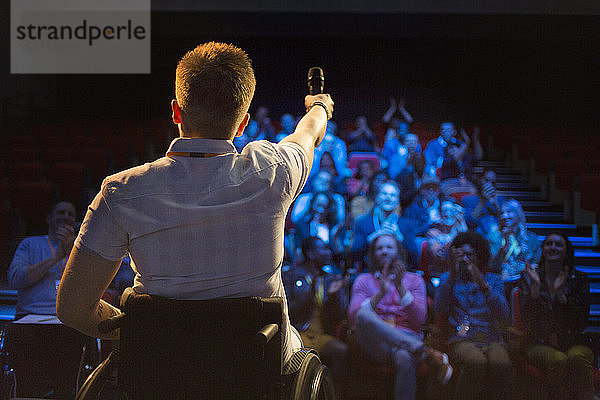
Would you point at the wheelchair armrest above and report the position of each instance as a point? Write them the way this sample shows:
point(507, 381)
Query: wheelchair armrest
point(112, 323)
point(266, 334)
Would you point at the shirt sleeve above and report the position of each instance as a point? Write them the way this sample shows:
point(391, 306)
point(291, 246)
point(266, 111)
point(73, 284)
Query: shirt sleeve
point(100, 231)
point(17, 272)
point(296, 160)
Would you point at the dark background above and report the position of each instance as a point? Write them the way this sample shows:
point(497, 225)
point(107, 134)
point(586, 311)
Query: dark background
point(489, 68)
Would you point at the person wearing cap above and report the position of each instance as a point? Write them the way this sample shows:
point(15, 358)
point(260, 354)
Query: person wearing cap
point(385, 215)
point(425, 208)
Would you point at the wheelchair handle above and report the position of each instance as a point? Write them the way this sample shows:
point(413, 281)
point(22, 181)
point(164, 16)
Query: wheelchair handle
point(266, 333)
point(112, 323)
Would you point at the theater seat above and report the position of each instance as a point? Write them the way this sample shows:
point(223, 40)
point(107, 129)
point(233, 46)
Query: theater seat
point(208, 349)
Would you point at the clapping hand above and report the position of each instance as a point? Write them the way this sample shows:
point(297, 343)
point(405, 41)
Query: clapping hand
point(534, 279)
point(336, 285)
point(65, 235)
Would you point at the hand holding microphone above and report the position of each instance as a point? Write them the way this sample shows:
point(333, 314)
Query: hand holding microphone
point(316, 97)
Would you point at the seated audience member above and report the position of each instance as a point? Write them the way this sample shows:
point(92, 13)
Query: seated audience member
point(401, 160)
point(425, 208)
point(336, 147)
point(436, 148)
point(251, 134)
point(458, 160)
point(482, 209)
point(288, 124)
point(554, 302)
point(317, 299)
point(265, 127)
point(362, 138)
point(362, 204)
point(517, 245)
point(475, 306)
point(358, 185)
point(385, 215)
point(410, 179)
point(322, 182)
point(45, 357)
point(326, 163)
point(319, 220)
point(397, 129)
point(439, 236)
point(388, 307)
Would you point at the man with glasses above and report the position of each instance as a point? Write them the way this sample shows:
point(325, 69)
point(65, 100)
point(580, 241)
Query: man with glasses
point(474, 303)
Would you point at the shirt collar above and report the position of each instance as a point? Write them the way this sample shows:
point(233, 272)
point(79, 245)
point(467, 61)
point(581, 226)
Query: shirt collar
point(198, 145)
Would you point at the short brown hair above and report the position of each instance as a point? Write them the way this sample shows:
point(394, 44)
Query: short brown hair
point(214, 84)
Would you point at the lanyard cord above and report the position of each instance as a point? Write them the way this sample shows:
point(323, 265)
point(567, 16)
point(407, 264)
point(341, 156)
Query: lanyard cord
point(192, 154)
point(61, 267)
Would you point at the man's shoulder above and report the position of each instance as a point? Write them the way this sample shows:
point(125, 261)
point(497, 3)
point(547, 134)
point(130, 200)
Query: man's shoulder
point(129, 179)
point(263, 152)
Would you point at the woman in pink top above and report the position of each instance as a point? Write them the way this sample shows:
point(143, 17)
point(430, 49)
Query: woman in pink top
point(387, 308)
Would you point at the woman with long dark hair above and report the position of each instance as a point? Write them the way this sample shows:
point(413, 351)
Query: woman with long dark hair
point(554, 301)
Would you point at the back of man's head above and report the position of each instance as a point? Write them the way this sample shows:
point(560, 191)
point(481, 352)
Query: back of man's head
point(214, 84)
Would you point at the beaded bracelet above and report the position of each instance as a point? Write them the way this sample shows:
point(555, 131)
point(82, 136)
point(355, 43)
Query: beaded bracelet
point(319, 103)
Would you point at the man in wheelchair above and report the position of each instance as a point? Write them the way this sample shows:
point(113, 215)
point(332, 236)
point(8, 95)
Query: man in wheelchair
point(204, 222)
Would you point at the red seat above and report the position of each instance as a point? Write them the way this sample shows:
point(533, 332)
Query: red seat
point(6, 235)
point(49, 141)
point(566, 170)
point(357, 156)
point(14, 155)
point(544, 155)
point(581, 151)
point(33, 200)
point(25, 172)
point(68, 177)
point(96, 160)
point(19, 141)
point(588, 186)
point(120, 147)
point(53, 155)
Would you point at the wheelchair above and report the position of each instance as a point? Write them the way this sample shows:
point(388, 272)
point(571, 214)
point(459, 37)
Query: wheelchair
point(205, 349)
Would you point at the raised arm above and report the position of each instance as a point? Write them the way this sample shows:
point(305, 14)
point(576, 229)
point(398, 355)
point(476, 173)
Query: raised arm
point(311, 128)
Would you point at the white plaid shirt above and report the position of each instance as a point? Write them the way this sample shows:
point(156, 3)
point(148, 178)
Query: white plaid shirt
point(202, 228)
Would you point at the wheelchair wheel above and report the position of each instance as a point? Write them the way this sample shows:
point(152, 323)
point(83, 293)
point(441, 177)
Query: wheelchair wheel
point(310, 379)
point(97, 380)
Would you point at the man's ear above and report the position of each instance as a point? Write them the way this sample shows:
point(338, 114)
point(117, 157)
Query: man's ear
point(176, 116)
point(243, 125)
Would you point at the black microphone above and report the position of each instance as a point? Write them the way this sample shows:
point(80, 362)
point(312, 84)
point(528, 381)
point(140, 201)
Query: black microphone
point(316, 81)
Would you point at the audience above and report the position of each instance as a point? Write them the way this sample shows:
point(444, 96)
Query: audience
point(385, 216)
point(483, 209)
point(410, 179)
point(317, 298)
point(473, 302)
point(46, 356)
point(288, 124)
point(388, 308)
point(359, 183)
point(554, 303)
point(319, 219)
point(322, 182)
point(516, 245)
point(362, 138)
point(419, 201)
point(425, 208)
point(362, 204)
point(436, 148)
